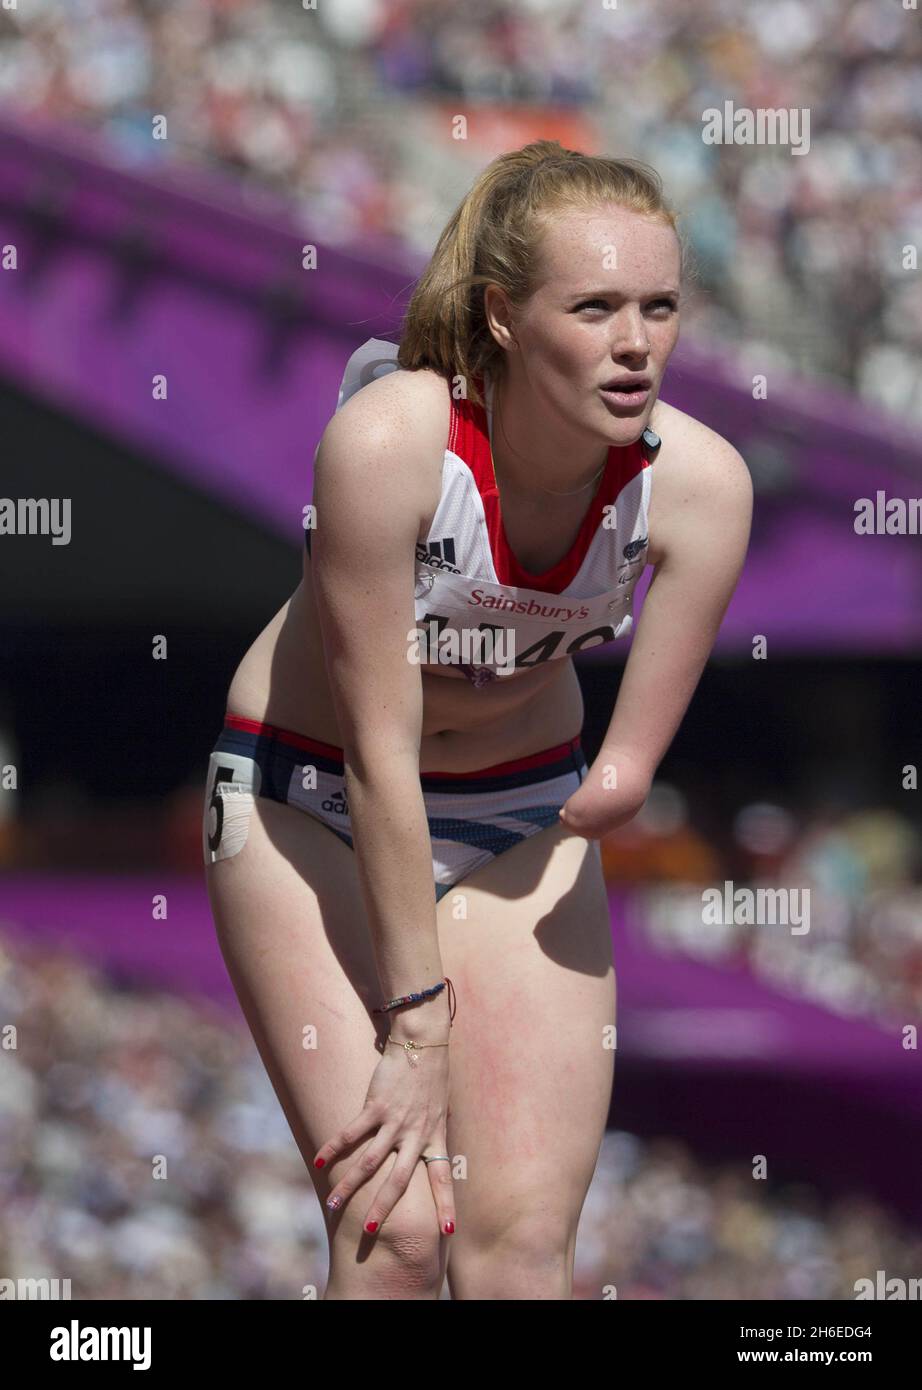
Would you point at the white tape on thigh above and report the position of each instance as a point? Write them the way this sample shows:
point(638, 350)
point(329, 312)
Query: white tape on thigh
point(232, 785)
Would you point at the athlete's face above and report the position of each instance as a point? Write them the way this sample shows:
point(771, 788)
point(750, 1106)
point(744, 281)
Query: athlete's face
point(606, 306)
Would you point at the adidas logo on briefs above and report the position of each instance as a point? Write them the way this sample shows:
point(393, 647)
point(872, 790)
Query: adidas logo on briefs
point(441, 554)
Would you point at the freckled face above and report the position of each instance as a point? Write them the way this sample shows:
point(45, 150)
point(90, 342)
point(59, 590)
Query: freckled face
point(606, 305)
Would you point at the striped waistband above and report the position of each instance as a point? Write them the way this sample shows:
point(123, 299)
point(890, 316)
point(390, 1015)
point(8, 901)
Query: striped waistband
point(253, 736)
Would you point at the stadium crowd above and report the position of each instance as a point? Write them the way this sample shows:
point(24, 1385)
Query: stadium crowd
point(143, 1155)
point(803, 261)
point(852, 876)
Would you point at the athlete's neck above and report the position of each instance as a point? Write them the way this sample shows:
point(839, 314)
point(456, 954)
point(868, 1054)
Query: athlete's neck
point(531, 451)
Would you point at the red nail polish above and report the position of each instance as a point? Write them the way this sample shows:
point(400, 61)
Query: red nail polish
point(371, 1226)
point(319, 1162)
point(449, 1228)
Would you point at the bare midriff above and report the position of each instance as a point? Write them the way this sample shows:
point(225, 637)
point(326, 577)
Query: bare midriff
point(282, 680)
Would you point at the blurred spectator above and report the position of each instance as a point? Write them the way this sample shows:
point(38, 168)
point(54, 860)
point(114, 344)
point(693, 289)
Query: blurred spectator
point(862, 953)
point(659, 843)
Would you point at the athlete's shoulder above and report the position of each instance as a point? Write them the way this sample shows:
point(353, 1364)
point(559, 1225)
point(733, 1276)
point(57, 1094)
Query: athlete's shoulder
point(694, 465)
point(389, 429)
point(409, 406)
point(690, 441)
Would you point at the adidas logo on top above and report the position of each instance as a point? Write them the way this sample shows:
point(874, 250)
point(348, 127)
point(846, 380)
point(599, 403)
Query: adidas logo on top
point(440, 554)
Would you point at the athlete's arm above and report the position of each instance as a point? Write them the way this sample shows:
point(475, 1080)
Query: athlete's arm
point(376, 479)
point(700, 526)
point(376, 471)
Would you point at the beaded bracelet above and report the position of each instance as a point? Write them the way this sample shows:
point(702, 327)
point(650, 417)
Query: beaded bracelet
point(423, 994)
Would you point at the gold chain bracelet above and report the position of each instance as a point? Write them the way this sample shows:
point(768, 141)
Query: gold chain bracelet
point(411, 1047)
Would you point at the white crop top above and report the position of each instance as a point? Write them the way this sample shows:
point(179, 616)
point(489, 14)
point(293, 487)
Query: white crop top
point(476, 606)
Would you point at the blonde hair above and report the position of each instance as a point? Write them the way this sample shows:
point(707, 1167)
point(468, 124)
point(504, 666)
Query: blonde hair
point(494, 237)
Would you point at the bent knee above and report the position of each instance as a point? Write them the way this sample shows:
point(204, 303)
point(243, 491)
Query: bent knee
point(525, 1257)
point(410, 1256)
point(405, 1251)
point(523, 1239)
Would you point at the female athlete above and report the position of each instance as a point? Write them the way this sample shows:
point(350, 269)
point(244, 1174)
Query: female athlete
point(398, 803)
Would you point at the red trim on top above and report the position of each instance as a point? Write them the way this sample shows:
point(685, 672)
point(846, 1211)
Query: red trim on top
point(469, 438)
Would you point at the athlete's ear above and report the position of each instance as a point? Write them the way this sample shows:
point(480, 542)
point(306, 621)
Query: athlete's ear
point(500, 316)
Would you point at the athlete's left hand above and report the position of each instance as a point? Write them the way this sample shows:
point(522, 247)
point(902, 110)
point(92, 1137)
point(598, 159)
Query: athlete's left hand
point(613, 791)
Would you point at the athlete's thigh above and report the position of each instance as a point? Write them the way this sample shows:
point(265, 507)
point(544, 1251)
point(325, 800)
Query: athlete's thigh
point(532, 1062)
point(292, 928)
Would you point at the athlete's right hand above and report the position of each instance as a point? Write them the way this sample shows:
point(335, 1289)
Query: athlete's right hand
point(407, 1103)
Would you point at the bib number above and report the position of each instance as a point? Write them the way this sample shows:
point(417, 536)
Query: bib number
point(222, 774)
